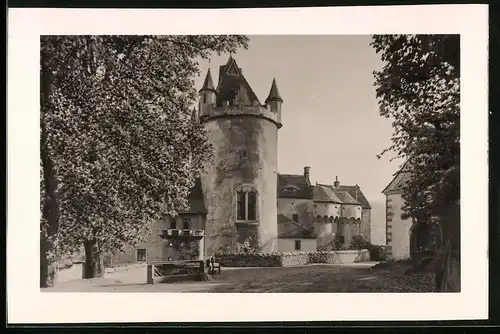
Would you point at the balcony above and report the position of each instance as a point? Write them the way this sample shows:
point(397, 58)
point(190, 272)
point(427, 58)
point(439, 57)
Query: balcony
point(182, 234)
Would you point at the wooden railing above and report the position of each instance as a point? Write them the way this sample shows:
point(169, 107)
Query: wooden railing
point(158, 271)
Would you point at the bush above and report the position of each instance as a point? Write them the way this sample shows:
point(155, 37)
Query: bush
point(333, 245)
point(377, 253)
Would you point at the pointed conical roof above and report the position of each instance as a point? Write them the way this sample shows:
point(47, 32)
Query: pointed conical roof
point(194, 114)
point(274, 94)
point(208, 84)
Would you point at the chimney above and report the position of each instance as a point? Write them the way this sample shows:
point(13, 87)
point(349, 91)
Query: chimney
point(307, 174)
point(336, 184)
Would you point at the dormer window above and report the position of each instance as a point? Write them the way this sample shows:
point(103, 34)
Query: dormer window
point(290, 188)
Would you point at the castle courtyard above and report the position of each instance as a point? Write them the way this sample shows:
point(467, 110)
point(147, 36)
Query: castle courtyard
point(361, 277)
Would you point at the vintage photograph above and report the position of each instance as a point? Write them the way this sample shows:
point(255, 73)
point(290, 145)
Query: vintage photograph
point(250, 163)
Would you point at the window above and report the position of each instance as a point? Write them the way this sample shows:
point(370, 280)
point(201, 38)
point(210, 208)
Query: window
point(246, 206)
point(243, 155)
point(251, 207)
point(295, 217)
point(204, 98)
point(297, 244)
point(185, 223)
point(141, 255)
point(173, 225)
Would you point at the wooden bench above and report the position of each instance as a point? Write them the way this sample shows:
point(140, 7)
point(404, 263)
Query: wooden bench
point(212, 266)
point(216, 265)
point(154, 275)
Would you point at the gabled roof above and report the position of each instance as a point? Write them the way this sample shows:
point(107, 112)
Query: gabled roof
point(355, 191)
point(195, 199)
point(299, 232)
point(299, 182)
point(345, 197)
point(325, 193)
point(196, 191)
point(230, 80)
point(400, 177)
point(195, 206)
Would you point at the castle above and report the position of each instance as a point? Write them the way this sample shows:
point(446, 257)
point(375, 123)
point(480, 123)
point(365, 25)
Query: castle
point(241, 190)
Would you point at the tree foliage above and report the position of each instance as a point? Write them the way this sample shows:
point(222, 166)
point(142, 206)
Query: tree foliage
point(116, 123)
point(419, 89)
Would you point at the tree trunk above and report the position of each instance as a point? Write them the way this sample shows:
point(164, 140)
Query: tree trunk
point(49, 224)
point(93, 266)
point(448, 271)
point(48, 265)
point(50, 217)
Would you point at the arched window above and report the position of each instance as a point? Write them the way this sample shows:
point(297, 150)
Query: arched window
point(246, 207)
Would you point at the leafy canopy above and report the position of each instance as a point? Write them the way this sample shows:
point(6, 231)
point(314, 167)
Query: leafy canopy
point(419, 89)
point(120, 131)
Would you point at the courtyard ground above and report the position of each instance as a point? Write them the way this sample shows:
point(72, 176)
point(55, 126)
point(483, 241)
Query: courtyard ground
point(362, 277)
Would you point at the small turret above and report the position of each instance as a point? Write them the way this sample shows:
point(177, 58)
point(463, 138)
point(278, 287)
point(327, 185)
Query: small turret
point(274, 99)
point(207, 93)
point(194, 115)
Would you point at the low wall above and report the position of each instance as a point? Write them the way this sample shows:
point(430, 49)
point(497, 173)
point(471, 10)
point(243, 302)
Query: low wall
point(292, 258)
point(124, 267)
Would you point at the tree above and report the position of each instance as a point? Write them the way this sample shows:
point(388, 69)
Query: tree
point(419, 89)
point(119, 148)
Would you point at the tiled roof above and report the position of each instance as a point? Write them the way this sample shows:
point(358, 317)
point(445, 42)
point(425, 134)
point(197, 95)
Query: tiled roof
point(230, 79)
point(299, 182)
point(356, 191)
point(195, 206)
point(196, 191)
point(300, 232)
point(208, 84)
point(325, 193)
point(342, 194)
point(345, 197)
point(196, 202)
point(400, 177)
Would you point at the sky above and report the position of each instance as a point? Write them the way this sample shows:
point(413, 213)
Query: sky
point(330, 116)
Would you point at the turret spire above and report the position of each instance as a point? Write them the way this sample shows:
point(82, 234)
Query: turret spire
point(194, 115)
point(274, 94)
point(208, 84)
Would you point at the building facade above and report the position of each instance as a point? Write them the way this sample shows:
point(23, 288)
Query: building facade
point(240, 195)
point(398, 230)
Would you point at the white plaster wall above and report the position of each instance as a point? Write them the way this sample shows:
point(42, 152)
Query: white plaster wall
point(400, 229)
point(288, 245)
point(302, 207)
point(351, 211)
point(327, 209)
point(325, 232)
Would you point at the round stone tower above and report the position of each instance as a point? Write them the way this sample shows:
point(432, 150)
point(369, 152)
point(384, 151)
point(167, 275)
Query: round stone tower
point(239, 185)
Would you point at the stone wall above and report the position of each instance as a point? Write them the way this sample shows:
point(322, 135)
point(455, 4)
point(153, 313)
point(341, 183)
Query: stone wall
point(245, 156)
point(292, 258)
